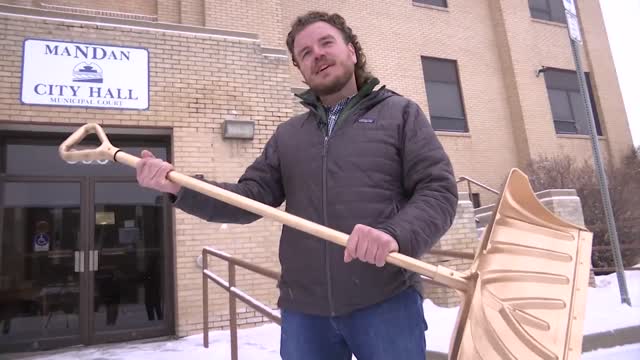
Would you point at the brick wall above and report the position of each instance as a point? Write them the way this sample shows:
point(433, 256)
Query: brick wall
point(498, 47)
point(196, 81)
point(498, 51)
point(169, 11)
point(192, 12)
point(142, 7)
point(26, 3)
point(261, 17)
point(461, 237)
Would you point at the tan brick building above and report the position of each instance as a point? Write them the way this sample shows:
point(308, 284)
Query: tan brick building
point(71, 234)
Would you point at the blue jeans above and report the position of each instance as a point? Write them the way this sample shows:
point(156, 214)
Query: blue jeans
point(393, 329)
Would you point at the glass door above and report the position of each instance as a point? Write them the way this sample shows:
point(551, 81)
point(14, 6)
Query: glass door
point(128, 261)
point(83, 248)
point(41, 264)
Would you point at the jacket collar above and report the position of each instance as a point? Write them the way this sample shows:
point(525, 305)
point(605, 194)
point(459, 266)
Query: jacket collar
point(312, 101)
point(365, 95)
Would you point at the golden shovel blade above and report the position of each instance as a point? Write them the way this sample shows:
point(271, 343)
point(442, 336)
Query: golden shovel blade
point(530, 279)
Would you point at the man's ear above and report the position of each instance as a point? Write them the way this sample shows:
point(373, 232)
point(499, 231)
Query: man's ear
point(352, 53)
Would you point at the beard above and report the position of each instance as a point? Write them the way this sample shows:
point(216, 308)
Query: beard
point(336, 84)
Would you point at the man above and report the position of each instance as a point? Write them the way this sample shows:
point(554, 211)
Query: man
point(365, 162)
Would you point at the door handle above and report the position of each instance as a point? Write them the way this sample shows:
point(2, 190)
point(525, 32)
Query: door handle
point(95, 260)
point(78, 257)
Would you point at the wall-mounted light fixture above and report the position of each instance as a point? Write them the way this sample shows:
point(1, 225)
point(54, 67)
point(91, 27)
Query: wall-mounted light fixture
point(238, 129)
point(541, 70)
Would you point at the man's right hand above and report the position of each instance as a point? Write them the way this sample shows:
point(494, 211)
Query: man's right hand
point(152, 173)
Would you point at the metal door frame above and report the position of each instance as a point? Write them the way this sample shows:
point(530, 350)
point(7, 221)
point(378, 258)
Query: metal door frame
point(33, 133)
point(167, 267)
point(82, 336)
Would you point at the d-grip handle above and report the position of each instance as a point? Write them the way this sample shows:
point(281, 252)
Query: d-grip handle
point(105, 151)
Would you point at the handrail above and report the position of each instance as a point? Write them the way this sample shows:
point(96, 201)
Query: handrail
point(471, 181)
point(233, 294)
point(453, 254)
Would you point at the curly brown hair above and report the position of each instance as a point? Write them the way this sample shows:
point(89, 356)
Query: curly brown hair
point(337, 21)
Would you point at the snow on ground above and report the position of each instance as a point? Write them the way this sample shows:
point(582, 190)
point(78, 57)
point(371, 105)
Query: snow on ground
point(604, 312)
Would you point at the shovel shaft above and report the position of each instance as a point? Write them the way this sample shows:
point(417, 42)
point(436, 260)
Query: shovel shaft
point(439, 274)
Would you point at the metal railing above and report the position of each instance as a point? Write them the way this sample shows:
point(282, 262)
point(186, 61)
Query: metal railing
point(234, 293)
point(477, 183)
point(456, 254)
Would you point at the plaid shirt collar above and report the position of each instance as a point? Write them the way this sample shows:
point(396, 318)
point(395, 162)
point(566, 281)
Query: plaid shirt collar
point(333, 112)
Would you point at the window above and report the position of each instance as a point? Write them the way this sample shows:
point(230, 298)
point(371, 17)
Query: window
point(550, 10)
point(475, 200)
point(441, 3)
point(569, 115)
point(443, 92)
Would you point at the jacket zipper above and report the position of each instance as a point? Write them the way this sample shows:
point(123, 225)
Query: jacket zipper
point(326, 222)
point(324, 204)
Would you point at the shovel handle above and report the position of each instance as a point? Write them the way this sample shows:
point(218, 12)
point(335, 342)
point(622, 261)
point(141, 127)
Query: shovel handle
point(106, 151)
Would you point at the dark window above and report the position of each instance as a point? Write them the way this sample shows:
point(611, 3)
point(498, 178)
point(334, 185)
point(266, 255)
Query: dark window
point(567, 107)
point(550, 10)
point(443, 92)
point(475, 200)
point(441, 3)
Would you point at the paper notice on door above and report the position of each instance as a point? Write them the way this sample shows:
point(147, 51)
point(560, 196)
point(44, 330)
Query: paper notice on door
point(128, 236)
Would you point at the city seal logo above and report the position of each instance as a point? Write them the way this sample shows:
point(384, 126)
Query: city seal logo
point(89, 73)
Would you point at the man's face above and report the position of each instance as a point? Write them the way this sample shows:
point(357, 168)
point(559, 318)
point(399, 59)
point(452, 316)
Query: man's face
point(325, 61)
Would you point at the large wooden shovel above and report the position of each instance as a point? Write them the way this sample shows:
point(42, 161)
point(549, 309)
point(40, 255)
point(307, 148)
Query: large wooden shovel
point(524, 295)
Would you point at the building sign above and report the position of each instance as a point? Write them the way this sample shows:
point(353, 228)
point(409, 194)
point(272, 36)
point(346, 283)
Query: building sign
point(85, 75)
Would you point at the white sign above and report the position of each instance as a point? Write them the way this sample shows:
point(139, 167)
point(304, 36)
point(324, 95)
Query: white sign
point(570, 6)
point(85, 75)
point(574, 27)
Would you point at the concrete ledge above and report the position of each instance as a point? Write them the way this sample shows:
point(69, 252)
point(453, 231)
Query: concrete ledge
point(267, 51)
point(556, 193)
point(609, 339)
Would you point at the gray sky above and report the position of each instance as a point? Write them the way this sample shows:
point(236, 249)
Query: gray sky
point(622, 19)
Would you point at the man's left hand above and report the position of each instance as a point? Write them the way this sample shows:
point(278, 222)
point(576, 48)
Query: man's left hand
point(369, 245)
